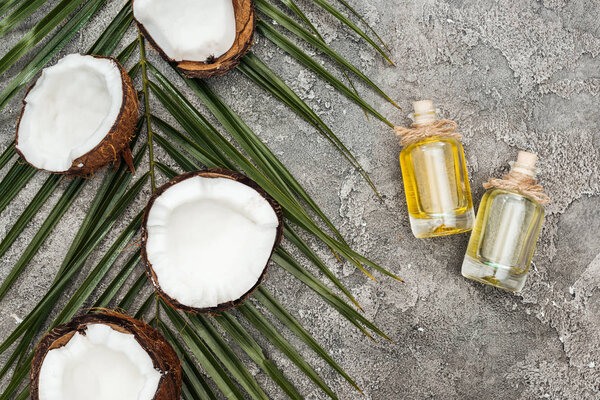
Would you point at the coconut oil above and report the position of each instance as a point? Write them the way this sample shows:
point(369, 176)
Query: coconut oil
point(436, 183)
point(506, 230)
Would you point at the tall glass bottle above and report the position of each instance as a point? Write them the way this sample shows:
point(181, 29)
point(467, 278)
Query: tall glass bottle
point(506, 230)
point(436, 183)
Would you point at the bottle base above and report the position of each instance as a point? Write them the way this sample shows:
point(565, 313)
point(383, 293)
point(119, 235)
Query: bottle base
point(444, 225)
point(500, 276)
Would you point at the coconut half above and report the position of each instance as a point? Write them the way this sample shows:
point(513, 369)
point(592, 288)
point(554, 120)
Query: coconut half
point(105, 356)
point(207, 237)
point(78, 116)
point(204, 37)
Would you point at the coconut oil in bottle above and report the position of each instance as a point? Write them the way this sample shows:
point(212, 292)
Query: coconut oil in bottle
point(436, 183)
point(506, 230)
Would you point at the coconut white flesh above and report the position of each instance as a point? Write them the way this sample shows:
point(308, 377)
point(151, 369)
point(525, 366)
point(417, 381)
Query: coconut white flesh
point(103, 364)
point(191, 30)
point(209, 240)
point(69, 111)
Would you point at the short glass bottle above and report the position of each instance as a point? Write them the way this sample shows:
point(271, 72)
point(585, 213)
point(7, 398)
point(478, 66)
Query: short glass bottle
point(506, 230)
point(436, 183)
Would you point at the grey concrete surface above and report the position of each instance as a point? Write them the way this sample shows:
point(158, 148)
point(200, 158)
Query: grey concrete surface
point(519, 74)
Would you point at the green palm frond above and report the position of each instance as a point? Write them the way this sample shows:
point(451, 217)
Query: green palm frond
point(207, 346)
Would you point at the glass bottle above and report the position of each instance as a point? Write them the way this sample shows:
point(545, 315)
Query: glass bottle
point(436, 183)
point(506, 230)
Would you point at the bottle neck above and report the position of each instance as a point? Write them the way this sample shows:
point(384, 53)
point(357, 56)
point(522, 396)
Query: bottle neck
point(425, 118)
point(522, 169)
point(424, 112)
point(525, 164)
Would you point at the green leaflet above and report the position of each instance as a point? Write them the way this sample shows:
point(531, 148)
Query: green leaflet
point(96, 275)
point(255, 352)
point(271, 304)
point(203, 355)
point(192, 378)
point(14, 180)
point(296, 10)
point(6, 5)
point(36, 203)
point(226, 356)
point(127, 300)
point(285, 260)
point(269, 331)
point(38, 32)
point(7, 154)
point(117, 283)
point(20, 12)
point(110, 38)
point(297, 241)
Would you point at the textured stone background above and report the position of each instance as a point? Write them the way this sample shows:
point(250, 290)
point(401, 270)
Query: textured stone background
point(517, 74)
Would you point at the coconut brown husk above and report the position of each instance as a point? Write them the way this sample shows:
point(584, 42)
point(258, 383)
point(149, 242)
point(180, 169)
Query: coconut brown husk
point(115, 144)
point(208, 173)
point(160, 351)
point(245, 21)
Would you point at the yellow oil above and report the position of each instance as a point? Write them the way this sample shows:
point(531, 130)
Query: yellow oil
point(503, 240)
point(437, 187)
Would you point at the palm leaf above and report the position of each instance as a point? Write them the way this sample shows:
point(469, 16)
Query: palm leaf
point(225, 354)
point(29, 212)
point(15, 179)
point(118, 281)
point(131, 295)
point(207, 353)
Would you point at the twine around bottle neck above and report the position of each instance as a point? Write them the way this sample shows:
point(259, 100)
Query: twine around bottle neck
point(419, 132)
point(519, 182)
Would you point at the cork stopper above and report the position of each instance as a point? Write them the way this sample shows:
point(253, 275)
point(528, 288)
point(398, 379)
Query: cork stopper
point(424, 112)
point(525, 163)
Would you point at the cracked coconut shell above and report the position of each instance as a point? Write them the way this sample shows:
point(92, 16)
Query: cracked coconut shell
point(273, 207)
point(164, 358)
point(115, 143)
point(245, 23)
